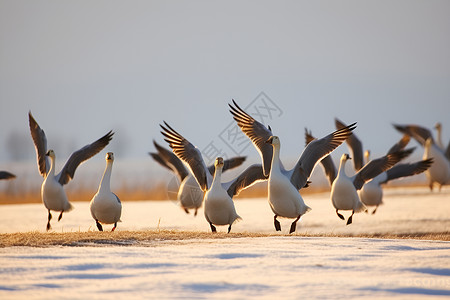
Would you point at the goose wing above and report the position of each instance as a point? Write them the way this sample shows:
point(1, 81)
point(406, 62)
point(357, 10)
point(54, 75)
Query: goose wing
point(400, 145)
point(419, 133)
point(314, 152)
point(250, 176)
point(79, 156)
point(188, 153)
point(376, 167)
point(40, 143)
point(256, 132)
point(6, 175)
point(169, 160)
point(408, 169)
point(327, 162)
point(355, 146)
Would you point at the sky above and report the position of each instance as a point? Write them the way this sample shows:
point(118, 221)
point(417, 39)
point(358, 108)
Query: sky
point(83, 68)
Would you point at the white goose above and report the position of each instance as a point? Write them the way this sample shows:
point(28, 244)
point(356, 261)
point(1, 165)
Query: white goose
point(52, 190)
point(105, 206)
point(283, 186)
point(219, 205)
point(344, 194)
point(189, 194)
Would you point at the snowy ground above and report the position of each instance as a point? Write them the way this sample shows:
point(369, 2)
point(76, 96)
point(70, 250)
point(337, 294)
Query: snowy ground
point(289, 267)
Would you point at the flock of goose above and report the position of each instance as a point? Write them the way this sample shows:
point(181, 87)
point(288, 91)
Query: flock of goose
point(352, 193)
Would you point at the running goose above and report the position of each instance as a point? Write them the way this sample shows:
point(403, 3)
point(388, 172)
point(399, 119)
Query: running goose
point(52, 190)
point(189, 193)
point(219, 206)
point(6, 175)
point(344, 194)
point(283, 186)
point(105, 206)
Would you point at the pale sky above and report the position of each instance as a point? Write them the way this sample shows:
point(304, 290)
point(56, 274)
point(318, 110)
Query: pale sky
point(85, 67)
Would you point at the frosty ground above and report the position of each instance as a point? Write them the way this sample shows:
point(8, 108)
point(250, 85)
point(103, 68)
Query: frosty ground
point(276, 266)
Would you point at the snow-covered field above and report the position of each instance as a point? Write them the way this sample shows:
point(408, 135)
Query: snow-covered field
point(274, 267)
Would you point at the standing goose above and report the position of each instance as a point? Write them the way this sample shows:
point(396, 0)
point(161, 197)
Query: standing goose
point(219, 206)
point(189, 193)
point(283, 186)
point(105, 206)
point(344, 194)
point(52, 190)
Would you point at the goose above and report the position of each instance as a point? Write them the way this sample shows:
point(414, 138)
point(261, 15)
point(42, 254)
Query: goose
point(284, 185)
point(6, 175)
point(344, 194)
point(189, 194)
point(105, 206)
point(439, 172)
point(219, 205)
point(52, 189)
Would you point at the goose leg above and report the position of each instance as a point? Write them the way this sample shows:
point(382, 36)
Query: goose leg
point(114, 228)
point(213, 228)
point(99, 226)
point(49, 218)
point(375, 210)
point(229, 228)
point(195, 213)
point(294, 225)
point(60, 216)
point(186, 210)
point(276, 223)
point(349, 221)
point(339, 215)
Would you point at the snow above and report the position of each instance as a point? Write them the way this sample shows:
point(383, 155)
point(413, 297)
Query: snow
point(274, 267)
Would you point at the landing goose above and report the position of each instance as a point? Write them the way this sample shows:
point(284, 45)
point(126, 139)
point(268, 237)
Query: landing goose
point(189, 194)
point(219, 206)
point(344, 194)
point(6, 175)
point(105, 206)
point(52, 190)
point(283, 186)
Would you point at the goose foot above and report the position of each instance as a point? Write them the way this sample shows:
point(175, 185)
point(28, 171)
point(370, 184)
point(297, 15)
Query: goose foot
point(99, 226)
point(186, 210)
point(195, 213)
point(114, 228)
point(375, 210)
point(213, 228)
point(48, 222)
point(294, 225)
point(350, 219)
point(339, 215)
point(229, 228)
point(276, 223)
point(60, 216)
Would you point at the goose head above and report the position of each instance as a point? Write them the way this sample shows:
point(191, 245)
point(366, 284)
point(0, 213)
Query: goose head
point(438, 126)
point(218, 163)
point(273, 140)
point(109, 157)
point(345, 157)
point(50, 153)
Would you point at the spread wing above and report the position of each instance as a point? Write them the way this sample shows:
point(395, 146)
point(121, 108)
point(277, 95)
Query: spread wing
point(327, 162)
point(314, 152)
point(250, 176)
point(169, 160)
point(188, 153)
point(79, 156)
point(419, 133)
point(40, 143)
point(408, 169)
point(6, 175)
point(256, 132)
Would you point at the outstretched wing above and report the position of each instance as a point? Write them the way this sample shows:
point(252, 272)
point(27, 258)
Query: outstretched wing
point(169, 160)
point(250, 176)
point(314, 152)
point(40, 143)
point(79, 156)
point(327, 162)
point(419, 133)
point(6, 175)
point(400, 145)
point(256, 132)
point(355, 146)
point(377, 166)
point(404, 170)
point(188, 153)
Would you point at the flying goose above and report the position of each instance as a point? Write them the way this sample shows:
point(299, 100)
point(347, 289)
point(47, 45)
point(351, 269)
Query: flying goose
point(219, 206)
point(283, 186)
point(52, 190)
point(189, 193)
point(105, 206)
point(344, 194)
point(6, 175)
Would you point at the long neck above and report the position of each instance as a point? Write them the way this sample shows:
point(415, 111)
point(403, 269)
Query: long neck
point(106, 179)
point(275, 158)
point(342, 167)
point(439, 137)
point(217, 180)
point(51, 172)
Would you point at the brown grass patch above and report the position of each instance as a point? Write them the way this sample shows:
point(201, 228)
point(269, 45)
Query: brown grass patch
point(153, 237)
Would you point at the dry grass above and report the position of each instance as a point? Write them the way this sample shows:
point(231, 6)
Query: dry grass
point(156, 237)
